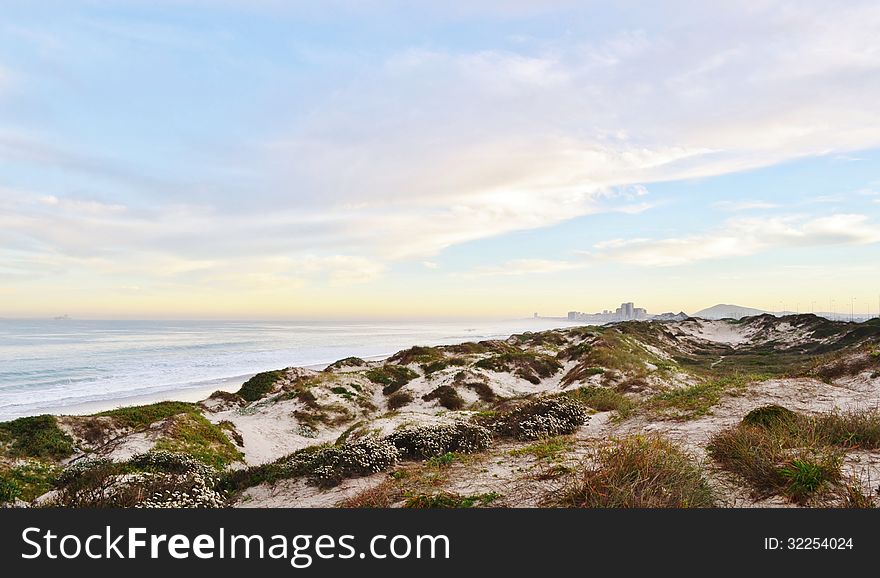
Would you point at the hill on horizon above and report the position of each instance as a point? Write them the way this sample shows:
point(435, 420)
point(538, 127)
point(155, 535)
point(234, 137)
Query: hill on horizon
point(724, 311)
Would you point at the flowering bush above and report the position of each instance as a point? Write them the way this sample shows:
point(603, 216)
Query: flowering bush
point(428, 441)
point(328, 466)
point(159, 479)
point(542, 418)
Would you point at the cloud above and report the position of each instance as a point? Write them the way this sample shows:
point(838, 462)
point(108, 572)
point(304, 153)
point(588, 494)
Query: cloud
point(412, 149)
point(741, 237)
point(519, 267)
point(733, 206)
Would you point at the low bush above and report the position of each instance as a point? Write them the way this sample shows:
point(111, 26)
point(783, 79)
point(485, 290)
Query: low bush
point(27, 480)
point(545, 417)
point(392, 377)
point(771, 416)
point(346, 362)
point(777, 460)
point(324, 466)
point(142, 416)
point(36, 437)
point(441, 364)
point(446, 396)
point(152, 480)
point(483, 390)
point(429, 441)
point(532, 367)
point(399, 399)
point(640, 472)
point(260, 384)
point(193, 434)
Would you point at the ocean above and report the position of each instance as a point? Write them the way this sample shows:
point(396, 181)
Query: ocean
point(72, 366)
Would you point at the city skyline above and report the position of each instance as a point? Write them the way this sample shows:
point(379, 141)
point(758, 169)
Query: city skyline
point(281, 161)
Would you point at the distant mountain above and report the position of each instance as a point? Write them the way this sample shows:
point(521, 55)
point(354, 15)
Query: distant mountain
point(680, 316)
point(722, 311)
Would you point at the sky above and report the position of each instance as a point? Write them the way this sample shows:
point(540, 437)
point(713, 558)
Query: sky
point(267, 159)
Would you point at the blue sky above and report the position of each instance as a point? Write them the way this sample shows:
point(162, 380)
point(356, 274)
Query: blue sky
point(293, 159)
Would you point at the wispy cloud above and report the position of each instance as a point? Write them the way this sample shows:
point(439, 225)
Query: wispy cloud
point(734, 206)
point(519, 267)
point(742, 237)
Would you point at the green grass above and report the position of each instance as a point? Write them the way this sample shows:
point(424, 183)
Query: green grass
point(695, 401)
point(441, 364)
point(450, 500)
point(142, 416)
point(639, 472)
point(778, 451)
point(27, 480)
point(549, 449)
point(603, 399)
point(36, 437)
point(392, 377)
point(260, 384)
point(193, 434)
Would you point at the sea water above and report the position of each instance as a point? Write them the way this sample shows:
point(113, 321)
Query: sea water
point(64, 365)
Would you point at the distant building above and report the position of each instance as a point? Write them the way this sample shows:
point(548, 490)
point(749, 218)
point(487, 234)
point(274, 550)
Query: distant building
point(626, 312)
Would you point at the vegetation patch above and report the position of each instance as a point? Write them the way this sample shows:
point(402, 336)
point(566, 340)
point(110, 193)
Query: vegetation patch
point(428, 441)
point(550, 449)
point(36, 437)
point(546, 417)
point(260, 384)
point(346, 362)
point(417, 354)
point(323, 466)
point(156, 479)
point(640, 472)
point(26, 480)
point(446, 396)
point(603, 399)
point(696, 400)
point(399, 399)
point(392, 377)
point(142, 416)
point(441, 364)
point(194, 435)
point(451, 500)
point(533, 367)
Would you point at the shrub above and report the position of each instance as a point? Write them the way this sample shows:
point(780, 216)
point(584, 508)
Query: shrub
point(346, 362)
point(446, 396)
point(450, 500)
point(483, 390)
point(417, 354)
point(805, 477)
point(640, 472)
point(29, 479)
point(9, 489)
point(324, 466)
point(399, 399)
point(260, 384)
point(530, 366)
point(428, 441)
point(193, 434)
point(441, 364)
point(776, 460)
point(36, 437)
point(545, 417)
point(142, 416)
point(850, 429)
point(151, 480)
point(383, 495)
point(393, 377)
point(771, 416)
